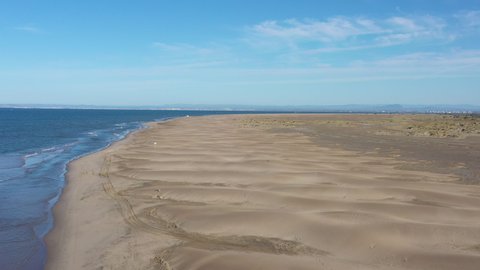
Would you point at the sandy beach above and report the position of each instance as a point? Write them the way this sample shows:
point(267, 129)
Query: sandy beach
point(276, 192)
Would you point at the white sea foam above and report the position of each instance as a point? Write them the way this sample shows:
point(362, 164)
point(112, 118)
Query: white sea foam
point(30, 155)
point(49, 149)
point(71, 144)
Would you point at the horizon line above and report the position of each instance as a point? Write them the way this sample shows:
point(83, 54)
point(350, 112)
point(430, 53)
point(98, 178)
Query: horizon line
point(342, 108)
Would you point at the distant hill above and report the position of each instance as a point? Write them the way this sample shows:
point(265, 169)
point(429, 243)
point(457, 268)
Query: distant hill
point(349, 108)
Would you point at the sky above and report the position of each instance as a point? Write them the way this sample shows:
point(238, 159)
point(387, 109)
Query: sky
point(248, 52)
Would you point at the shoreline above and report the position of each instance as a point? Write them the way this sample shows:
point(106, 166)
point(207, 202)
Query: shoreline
point(51, 239)
point(134, 204)
point(56, 211)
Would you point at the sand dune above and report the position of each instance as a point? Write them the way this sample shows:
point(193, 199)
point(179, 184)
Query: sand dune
point(216, 193)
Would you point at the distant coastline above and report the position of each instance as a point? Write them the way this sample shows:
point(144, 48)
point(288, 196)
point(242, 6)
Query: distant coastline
point(348, 108)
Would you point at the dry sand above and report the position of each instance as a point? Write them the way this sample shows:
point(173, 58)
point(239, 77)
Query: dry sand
point(264, 192)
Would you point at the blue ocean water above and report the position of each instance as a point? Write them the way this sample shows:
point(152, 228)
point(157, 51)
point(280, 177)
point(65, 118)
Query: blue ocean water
point(35, 147)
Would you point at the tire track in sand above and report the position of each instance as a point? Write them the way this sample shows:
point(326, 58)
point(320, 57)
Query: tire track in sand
point(159, 226)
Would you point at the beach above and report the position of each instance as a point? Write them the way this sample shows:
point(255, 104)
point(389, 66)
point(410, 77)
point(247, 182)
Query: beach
point(276, 192)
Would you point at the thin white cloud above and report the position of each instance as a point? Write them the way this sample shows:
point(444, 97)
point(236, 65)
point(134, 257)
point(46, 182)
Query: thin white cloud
point(435, 62)
point(183, 48)
point(425, 64)
point(404, 23)
point(29, 29)
point(334, 29)
point(469, 18)
point(302, 44)
point(185, 53)
point(350, 33)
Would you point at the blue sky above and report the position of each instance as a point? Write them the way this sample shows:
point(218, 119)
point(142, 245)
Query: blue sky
point(240, 52)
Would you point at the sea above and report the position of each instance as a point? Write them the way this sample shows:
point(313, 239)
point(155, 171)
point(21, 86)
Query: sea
point(35, 147)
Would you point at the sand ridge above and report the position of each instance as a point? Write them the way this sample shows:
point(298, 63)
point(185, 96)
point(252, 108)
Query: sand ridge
point(214, 193)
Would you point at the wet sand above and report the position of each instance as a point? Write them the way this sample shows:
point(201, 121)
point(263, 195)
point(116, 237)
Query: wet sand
point(275, 192)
